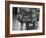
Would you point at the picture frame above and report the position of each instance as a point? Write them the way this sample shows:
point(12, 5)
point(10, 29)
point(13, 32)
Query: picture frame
point(10, 6)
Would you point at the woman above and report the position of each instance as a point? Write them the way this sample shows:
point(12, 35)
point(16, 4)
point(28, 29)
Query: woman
point(16, 24)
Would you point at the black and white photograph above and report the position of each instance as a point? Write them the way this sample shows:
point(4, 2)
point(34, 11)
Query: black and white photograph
point(25, 18)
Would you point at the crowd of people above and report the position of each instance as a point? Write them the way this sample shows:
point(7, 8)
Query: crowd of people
point(26, 19)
